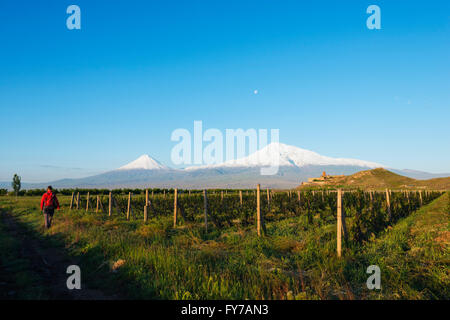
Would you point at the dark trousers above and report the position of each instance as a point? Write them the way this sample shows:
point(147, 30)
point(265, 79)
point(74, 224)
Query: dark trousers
point(48, 217)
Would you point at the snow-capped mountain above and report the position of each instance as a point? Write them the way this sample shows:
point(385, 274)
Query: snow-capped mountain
point(279, 154)
point(144, 162)
point(295, 165)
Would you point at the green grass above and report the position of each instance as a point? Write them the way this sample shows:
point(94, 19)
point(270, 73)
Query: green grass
point(17, 278)
point(415, 255)
point(295, 260)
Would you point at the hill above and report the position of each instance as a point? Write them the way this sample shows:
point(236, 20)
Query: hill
point(378, 178)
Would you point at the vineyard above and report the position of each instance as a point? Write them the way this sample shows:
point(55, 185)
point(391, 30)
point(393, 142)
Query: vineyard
point(364, 213)
point(247, 244)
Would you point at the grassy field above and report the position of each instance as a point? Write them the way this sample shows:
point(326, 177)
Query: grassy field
point(295, 260)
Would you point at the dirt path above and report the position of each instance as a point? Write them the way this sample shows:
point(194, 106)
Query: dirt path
point(50, 264)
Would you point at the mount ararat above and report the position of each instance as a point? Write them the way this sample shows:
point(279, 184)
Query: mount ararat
point(295, 165)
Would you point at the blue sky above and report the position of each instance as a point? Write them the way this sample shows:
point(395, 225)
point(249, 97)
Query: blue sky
point(78, 102)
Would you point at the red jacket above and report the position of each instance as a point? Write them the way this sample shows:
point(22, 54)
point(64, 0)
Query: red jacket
point(47, 199)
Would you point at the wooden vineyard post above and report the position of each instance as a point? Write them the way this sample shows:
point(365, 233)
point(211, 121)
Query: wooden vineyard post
point(420, 196)
point(78, 200)
point(164, 195)
point(110, 204)
point(87, 202)
point(299, 198)
point(129, 206)
point(268, 199)
point(98, 204)
point(175, 200)
point(339, 222)
point(205, 209)
point(258, 210)
point(240, 197)
point(71, 200)
point(388, 204)
point(221, 195)
point(146, 206)
point(371, 196)
point(101, 205)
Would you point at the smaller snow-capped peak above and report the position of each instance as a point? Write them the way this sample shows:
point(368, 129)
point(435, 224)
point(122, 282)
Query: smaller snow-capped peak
point(144, 162)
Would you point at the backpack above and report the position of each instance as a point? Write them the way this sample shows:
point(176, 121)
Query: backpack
point(50, 202)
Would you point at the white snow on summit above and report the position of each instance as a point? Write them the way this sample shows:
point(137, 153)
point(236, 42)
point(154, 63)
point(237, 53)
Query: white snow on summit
point(144, 162)
point(279, 154)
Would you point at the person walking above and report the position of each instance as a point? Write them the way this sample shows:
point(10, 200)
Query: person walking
point(48, 204)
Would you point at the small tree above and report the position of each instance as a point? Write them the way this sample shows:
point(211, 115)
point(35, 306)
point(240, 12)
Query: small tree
point(16, 184)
